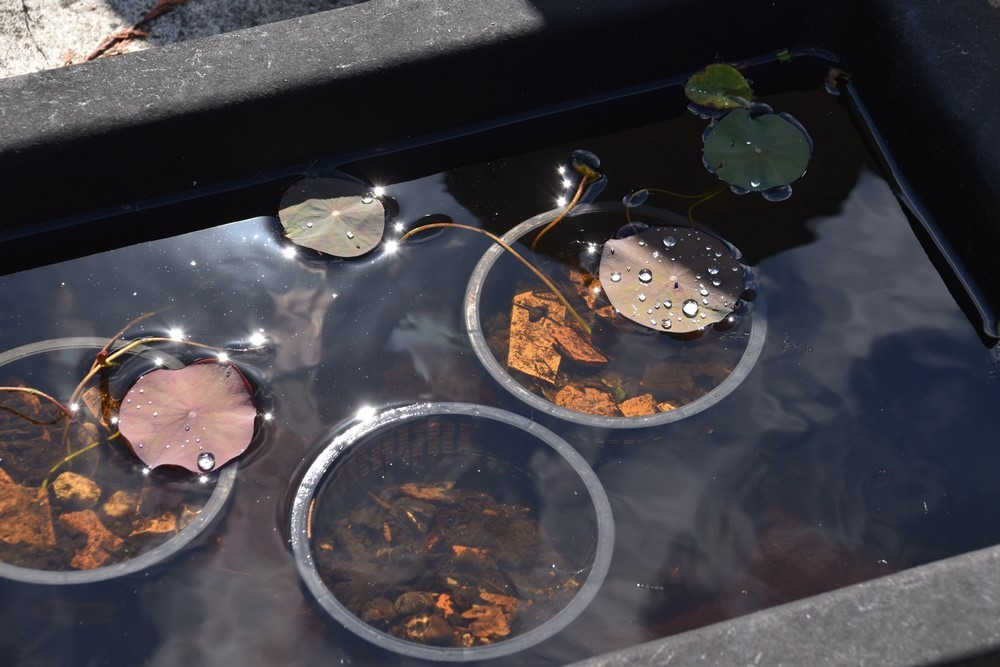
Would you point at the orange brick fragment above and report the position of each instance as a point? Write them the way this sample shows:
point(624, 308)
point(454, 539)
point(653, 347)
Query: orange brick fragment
point(533, 318)
point(445, 605)
point(640, 406)
point(588, 401)
point(101, 542)
point(25, 516)
point(459, 550)
point(574, 346)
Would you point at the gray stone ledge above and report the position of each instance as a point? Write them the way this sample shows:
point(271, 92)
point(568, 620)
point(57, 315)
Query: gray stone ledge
point(936, 614)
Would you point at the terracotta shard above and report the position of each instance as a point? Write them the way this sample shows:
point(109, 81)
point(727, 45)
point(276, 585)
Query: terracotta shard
point(25, 515)
point(589, 401)
point(576, 347)
point(533, 320)
point(587, 285)
point(101, 542)
point(167, 523)
point(639, 406)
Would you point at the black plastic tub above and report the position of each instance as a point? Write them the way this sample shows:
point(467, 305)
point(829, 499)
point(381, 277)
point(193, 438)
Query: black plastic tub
point(149, 146)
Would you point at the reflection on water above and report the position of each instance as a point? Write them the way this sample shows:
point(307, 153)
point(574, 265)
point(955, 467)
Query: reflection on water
point(861, 444)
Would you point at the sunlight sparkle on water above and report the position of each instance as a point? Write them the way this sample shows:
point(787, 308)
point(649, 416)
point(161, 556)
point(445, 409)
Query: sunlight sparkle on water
point(268, 416)
point(378, 191)
point(391, 247)
point(365, 412)
point(288, 252)
point(176, 334)
point(257, 338)
point(74, 407)
point(223, 357)
point(398, 227)
point(560, 201)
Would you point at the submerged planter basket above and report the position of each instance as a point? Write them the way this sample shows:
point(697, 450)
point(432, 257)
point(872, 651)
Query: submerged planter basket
point(66, 352)
point(492, 288)
point(488, 533)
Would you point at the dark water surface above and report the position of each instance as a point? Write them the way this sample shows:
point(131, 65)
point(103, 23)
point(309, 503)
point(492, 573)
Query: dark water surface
point(862, 443)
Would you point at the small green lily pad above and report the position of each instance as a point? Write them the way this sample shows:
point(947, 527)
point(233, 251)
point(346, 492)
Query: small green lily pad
point(674, 279)
point(332, 216)
point(719, 86)
point(757, 152)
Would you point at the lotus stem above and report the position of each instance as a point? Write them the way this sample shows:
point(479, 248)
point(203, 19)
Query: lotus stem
point(73, 455)
point(569, 207)
point(503, 244)
point(105, 360)
point(702, 197)
point(41, 394)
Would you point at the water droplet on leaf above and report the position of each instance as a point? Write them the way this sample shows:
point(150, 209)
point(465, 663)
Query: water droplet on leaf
point(206, 461)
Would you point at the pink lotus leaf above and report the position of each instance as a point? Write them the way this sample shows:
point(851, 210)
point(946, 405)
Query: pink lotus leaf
point(198, 417)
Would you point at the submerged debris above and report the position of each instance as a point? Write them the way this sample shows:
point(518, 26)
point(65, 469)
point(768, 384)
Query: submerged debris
point(98, 513)
point(533, 322)
point(613, 372)
point(460, 569)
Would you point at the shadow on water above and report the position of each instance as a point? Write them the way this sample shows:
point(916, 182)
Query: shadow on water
point(827, 473)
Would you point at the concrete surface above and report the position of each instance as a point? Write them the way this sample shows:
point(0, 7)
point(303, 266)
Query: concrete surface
point(939, 614)
point(37, 35)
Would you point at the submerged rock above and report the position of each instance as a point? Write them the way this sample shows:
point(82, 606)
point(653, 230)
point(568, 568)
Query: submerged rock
point(25, 515)
point(76, 490)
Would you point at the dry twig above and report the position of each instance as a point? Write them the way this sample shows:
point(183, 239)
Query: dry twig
point(117, 42)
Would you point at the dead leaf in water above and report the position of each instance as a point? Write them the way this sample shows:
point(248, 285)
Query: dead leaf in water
point(332, 216)
point(673, 279)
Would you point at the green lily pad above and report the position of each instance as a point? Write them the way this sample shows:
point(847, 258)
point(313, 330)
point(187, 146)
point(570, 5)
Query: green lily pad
point(332, 216)
point(674, 279)
point(719, 86)
point(757, 152)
